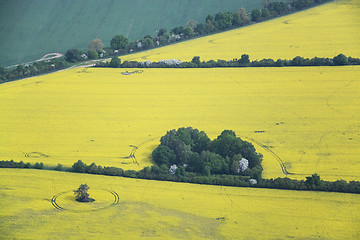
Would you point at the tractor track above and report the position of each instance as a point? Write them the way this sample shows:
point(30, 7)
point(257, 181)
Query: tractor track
point(281, 163)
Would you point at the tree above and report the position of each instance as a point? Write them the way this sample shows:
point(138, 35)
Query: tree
point(93, 54)
point(244, 15)
point(196, 60)
point(236, 19)
point(73, 55)
point(340, 59)
point(223, 20)
point(82, 194)
point(96, 45)
point(119, 42)
point(214, 161)
point(163, 155)
point(161, 32)
point(297, 61)
point(115, 62)
point(210, 18)
point(244, 60)
point(147, 42)
point(255, 15)
point(265, 13)
point(314, 180)
point(79, 167)
point(188, 32)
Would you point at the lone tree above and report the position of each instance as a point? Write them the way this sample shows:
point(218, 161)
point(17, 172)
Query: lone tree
point(82, 194)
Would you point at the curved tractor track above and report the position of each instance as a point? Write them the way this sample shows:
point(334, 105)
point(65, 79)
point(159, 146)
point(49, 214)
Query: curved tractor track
point(283, 168)
point(58, 207)
point(132, 154)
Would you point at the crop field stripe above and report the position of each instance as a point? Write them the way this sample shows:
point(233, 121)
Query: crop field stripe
point(31, 41)
point(133, 18)
point(73, 20)
point(101, 22)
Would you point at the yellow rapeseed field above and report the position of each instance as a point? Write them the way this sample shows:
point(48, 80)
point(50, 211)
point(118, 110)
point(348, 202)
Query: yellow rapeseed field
point(323, 31)
point(307, 117)
point(166, 210)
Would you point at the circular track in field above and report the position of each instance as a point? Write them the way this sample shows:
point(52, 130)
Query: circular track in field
point(104, 198)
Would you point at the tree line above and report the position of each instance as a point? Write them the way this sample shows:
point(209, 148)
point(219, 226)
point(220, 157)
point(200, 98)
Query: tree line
point(32, 69)
point(312, 183)
point(244, 61)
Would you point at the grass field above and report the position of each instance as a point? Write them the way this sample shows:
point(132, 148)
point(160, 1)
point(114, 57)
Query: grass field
point(165, 210)
point(323, 31)
point(309, 120)
point(31, 29)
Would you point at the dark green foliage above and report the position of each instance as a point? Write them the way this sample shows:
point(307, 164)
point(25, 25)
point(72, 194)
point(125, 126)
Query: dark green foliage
point(223, 20)
point(244, 61)
point(79, 167)
point(188, 32)
point(73, 55)
point(82, 194)
point(13, 164)
point(265, 13)
point(163, 155)
point(178, 30)
point(119, 42)
point(209, 18)
point(161, 32)
point(341, 59)
point(184, 174)
point(115, 62)
point(196, 60)
point(59, 167)
point(276, 8)
point(93, 54)
point(38, 165)
point(301, 4)
point(214, 162)
point(297, 61)
point(314, 180)
point(193, 150)
point(236, 19)
point(255, 15)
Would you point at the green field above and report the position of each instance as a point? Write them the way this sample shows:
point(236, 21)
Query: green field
point(31, 29)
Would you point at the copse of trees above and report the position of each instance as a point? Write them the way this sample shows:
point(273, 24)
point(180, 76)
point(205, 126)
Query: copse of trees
point(188, 149)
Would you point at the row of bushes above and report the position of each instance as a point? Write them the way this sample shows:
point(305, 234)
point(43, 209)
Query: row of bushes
point(13, 164)
point(312, 183)
point(244, 61)
point(34, 69)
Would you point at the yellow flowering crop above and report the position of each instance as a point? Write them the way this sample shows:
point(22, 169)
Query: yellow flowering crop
point(166, 210)
point(323, 31)
point(307, 117)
